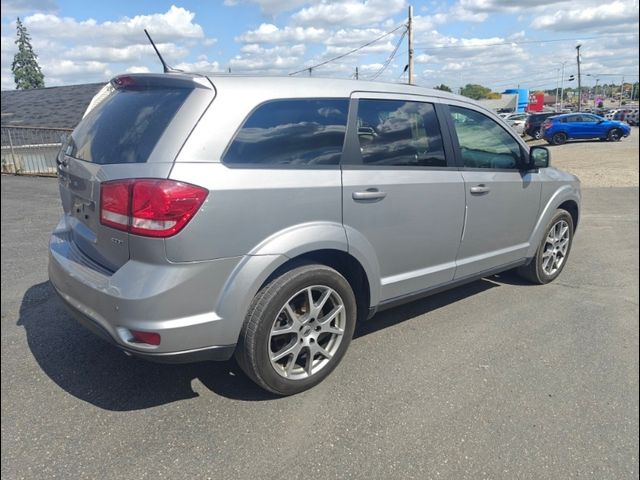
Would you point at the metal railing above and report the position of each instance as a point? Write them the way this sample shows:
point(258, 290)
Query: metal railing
point(30, 150)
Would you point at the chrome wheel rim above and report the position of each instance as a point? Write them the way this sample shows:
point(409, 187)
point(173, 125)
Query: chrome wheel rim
point(307, 332)
point(556, 246)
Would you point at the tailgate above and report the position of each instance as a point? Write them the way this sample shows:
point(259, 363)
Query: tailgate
point(135, 132)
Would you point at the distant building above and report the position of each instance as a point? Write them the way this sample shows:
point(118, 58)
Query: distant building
point(51, 107)
point(505, 102)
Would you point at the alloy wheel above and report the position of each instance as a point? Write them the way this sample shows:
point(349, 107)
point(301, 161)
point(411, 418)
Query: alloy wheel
point(556, 247)
point(307, 332)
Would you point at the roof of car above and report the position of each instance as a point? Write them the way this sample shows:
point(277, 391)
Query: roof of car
point(326, 85)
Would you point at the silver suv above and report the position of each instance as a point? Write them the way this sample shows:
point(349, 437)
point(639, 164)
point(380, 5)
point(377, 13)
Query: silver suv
point(206, 217)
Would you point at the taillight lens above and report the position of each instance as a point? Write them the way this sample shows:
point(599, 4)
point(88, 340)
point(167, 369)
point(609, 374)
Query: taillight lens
point(150, 338)
point(149, 207)
point(546, 124)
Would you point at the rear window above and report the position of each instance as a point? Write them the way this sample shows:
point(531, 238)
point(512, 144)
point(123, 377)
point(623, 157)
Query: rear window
point(126, 126)
point(302, 132)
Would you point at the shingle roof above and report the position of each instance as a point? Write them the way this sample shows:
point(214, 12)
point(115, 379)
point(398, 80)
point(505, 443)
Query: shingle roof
point(55, 107)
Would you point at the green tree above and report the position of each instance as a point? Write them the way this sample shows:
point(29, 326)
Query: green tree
point(477, 92)
point(25, 68)
point(444, 88)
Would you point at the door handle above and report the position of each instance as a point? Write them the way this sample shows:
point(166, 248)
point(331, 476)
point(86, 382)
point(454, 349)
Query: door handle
point(480, 189)
point(371, 194)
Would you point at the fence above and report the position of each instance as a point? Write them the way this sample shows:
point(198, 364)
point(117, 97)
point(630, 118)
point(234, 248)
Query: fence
point(30, 150)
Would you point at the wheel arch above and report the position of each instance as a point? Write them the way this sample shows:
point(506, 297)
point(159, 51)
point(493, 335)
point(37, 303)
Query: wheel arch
point(568, 198)
point(317, 242)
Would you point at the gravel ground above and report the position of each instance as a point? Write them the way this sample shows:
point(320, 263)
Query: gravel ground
point(599, 164)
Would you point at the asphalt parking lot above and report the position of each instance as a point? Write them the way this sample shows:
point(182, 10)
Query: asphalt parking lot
point(496, 379)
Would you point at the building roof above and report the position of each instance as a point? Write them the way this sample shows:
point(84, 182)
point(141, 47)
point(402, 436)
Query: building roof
point(54, 107)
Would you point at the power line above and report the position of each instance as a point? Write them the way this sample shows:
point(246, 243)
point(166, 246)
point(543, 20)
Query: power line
point(525, 42)
point(393, 54)
point(348, 53)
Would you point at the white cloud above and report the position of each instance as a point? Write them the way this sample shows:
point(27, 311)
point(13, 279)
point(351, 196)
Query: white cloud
point(176, 23)
point(73, 50)
point(138, 69)
point(349, 12)
point(202, 65)
point(269, 7)
point(583, 17)
point(269, 33)
point(257, 59)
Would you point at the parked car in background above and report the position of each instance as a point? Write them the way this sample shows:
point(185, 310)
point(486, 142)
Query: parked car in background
point(632, 117)
point(514, 116)
point(533, 123)
point(558, 129)
point(518, 125)
point(316, 203)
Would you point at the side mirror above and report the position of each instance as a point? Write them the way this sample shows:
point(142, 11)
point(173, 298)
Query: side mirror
point(539, 157)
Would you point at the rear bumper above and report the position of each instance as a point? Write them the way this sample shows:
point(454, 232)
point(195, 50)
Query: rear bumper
point(216, 352)
point(177, 301)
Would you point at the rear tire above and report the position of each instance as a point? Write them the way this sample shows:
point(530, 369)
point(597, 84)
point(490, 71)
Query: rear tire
point(559, 138)
point(298, 329)
point(553, 252)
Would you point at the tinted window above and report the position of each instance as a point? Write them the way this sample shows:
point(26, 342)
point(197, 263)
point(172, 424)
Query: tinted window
point(484, 143)
point(292, 132)
point(125, 127)
point(589, 119)
point(399, 133)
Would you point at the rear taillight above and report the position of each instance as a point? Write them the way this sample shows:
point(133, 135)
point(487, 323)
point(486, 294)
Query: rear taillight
point(149, 207)
point(546, 124)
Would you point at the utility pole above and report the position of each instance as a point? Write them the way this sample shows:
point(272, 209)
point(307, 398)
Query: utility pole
point(410, 43)
point(356, 73)
point(579, 78)
point(595, 94)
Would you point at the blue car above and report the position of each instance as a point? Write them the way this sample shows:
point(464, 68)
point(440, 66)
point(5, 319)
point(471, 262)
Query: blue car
point(560, 128)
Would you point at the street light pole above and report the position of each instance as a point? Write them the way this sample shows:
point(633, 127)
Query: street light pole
point(579, 78)
point(562, 88)
point(621, 91)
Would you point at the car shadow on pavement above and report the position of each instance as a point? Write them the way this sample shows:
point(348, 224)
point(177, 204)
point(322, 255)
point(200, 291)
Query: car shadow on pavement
point(96, 372)
point(396, 315)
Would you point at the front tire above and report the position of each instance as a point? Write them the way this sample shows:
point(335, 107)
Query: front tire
point(298, 328)
point(553, 252)
point(614, 135)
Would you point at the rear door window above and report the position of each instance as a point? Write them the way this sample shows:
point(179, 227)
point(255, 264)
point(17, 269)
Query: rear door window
point(126, 126)
point(300, 132)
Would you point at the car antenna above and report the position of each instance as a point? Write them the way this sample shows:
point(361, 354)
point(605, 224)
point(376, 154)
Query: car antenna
point(165, 67)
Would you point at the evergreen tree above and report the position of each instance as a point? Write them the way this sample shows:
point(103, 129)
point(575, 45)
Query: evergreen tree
point(25, 68)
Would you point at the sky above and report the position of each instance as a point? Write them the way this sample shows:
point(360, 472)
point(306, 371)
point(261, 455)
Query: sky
point(497, 43)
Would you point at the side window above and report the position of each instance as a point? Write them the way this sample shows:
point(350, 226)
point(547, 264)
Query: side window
point(399, 133)
point(292, 132)
point(589, 119)
point(484, 143)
